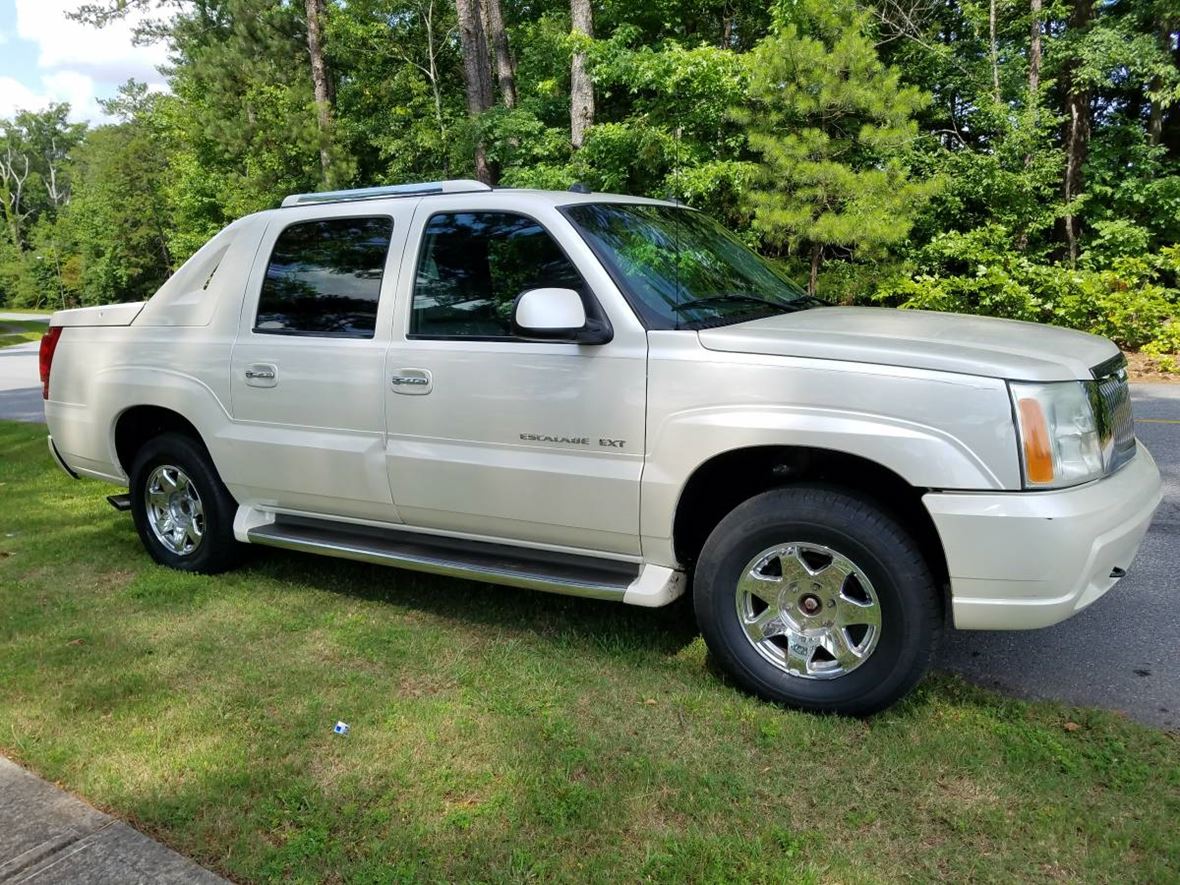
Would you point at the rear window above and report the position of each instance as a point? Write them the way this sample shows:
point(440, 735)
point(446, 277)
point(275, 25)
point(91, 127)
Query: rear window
point(324, 278)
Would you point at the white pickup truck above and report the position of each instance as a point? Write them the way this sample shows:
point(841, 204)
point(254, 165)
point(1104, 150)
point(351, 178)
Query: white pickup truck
point(610, 397)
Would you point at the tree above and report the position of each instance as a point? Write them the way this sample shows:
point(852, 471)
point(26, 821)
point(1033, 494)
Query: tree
point(36, 179)
point(833, 127)
point(1034, 50)
point(322, 87)
point(581, 86)
point(120, 218)
point(476, 76)
point(505, 63)
point(1077, 126)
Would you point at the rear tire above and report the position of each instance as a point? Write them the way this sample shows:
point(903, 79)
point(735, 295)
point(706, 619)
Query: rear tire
point(815, 598)
point(182, 510)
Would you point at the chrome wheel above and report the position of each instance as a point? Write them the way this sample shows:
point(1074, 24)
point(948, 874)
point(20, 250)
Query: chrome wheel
point(174, 510)
point(808, 610)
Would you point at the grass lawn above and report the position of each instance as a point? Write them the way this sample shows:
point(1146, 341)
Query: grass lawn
point(503, 735)
point(20, 331)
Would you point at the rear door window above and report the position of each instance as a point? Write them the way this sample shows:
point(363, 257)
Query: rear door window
point(324, 278)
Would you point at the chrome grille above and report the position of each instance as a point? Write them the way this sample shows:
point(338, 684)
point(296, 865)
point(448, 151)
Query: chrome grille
point(1115, 424)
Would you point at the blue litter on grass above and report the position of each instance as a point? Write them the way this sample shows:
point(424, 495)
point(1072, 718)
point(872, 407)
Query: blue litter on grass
point(341, 728)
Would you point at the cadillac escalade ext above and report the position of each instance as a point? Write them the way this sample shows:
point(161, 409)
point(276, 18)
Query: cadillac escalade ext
point(611, 397)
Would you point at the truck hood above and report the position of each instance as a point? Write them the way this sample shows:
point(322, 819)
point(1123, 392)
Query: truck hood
point(920, 339)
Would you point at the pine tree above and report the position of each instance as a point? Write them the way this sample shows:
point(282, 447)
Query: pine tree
point(833, 126)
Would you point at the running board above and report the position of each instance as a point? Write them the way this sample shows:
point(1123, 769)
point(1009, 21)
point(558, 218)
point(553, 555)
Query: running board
point(569, 574)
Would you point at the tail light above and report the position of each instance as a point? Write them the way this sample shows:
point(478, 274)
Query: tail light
point(48, 346)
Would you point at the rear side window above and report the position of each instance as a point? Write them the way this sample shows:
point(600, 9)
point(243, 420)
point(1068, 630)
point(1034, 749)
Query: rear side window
point(472, 267)
point(324, 278)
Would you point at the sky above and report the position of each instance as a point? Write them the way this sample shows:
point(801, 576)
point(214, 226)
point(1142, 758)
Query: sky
point(45, 57)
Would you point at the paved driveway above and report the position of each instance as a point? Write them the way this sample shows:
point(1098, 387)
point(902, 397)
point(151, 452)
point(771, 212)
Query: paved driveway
point(1122, 652)
point(20, 387)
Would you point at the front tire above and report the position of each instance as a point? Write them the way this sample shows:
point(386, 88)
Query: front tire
point(818, 599)
point(183, 512)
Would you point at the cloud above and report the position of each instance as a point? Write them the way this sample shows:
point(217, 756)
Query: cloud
point(61, 86)
point(108, 54)
point(75, 62)
point(16, 96)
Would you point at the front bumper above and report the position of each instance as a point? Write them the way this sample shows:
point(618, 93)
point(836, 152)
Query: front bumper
point(1019, 560)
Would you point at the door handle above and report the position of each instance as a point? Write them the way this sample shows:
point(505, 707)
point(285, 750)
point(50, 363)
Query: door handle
point(262, 375)
point(412, 381)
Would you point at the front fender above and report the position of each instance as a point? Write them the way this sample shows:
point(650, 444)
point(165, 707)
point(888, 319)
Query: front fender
point(934, 430)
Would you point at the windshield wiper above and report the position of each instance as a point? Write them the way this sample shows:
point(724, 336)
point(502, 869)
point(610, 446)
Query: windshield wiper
point(745, 298)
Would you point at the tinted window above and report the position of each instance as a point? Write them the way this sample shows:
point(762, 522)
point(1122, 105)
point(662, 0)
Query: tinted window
point(324, 278)
point(474, 264)
point(681, 268)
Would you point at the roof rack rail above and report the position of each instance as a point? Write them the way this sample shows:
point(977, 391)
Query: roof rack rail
point(425, 188)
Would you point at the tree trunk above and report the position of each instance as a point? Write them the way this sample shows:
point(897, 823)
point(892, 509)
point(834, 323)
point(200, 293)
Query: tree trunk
point(12, 185)
point(1155, 121)
point(1077, 130)
point(817, 255)
point(477, 74)
point(321, 82)
point(995, 54)
point(1034, 51)
point(581, 89)
point(505, 63)
point(427, 13)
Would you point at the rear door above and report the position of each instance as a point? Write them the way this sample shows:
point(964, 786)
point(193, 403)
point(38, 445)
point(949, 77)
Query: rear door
point(308, 362)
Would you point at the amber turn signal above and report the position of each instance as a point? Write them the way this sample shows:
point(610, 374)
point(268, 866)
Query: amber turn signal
point(1038, 457)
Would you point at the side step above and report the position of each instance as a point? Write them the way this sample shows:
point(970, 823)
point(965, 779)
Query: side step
point(122, 503)
point(570, 574)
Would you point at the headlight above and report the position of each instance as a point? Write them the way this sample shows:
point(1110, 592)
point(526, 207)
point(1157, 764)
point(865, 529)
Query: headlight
point(1060, 442)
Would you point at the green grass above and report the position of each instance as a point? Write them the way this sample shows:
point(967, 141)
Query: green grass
point(20, 331)
point(502, 735)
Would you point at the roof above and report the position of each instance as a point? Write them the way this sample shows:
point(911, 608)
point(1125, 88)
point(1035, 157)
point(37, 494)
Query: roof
point(458, 186)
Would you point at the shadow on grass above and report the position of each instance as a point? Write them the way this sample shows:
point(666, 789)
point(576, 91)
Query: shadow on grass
point(666, 630)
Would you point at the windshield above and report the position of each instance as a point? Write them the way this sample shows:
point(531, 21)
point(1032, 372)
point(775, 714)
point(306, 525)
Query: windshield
point(681, 269)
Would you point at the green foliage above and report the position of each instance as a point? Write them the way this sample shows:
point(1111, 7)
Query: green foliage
point(1126, 300)
point(512, 736)
point(880, 148)
point(834, 128)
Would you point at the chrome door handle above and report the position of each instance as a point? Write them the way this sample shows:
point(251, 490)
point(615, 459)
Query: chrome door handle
point(262, 375)
point(412, 381)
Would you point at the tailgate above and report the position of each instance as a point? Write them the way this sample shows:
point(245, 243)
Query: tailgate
point(103, 315)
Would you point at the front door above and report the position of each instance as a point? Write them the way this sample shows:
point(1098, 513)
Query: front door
point(307, 365)
point(490, 435)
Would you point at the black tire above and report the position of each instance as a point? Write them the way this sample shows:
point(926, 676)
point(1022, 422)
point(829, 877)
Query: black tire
point(906, 598)
point(217, 551)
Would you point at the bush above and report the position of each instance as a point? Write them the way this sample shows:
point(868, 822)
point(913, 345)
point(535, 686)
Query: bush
point(1119, 296)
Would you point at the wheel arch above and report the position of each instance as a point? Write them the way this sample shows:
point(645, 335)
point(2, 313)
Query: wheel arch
point(724, 481)
point(137, 424)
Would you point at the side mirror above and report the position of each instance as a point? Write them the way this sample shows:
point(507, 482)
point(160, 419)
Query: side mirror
point(552, 314)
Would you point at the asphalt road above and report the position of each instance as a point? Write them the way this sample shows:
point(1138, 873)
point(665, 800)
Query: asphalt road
point(1123, 652)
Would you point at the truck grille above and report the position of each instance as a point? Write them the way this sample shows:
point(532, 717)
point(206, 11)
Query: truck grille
point(1115, 424)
